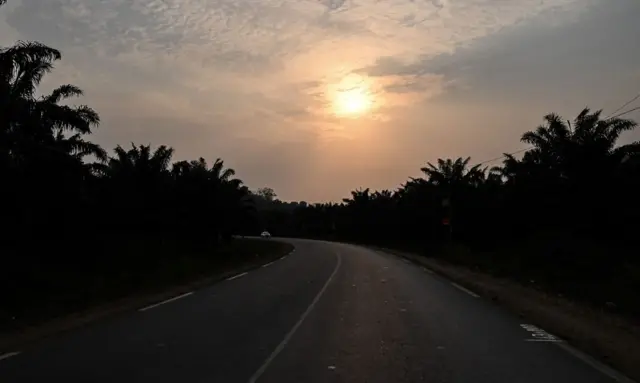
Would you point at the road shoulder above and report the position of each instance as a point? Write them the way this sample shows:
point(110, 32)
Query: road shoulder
point(12, 341)
point(609, 338)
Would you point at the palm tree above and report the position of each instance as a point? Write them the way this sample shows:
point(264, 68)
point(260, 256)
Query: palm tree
point(587, 147)
point(139, 163)
point(452, 174)
point(31, 125)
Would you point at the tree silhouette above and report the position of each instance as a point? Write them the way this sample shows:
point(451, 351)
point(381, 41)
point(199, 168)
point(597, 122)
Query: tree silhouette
point(563, 214)
point(566, 213)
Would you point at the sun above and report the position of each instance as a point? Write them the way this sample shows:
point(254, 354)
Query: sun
point(352, 102)
point(351, 96)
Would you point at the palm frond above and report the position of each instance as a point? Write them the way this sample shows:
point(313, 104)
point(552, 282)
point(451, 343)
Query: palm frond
point(63, 92)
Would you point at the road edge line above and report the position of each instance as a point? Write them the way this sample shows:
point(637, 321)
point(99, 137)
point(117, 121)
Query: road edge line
point(562, 343)
point(9, 355)
point(165, 301)
point(295, 327)
point(601, 367)
point(457, 286)
point(237, 276)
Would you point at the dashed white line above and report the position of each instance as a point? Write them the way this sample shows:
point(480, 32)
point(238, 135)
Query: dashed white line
point(167, 301)
point(9, 355)
point(428, 270)
point(465, 290)
point(543, 336)
point(293, 330)
point(237, 276)
point(268, 264)
point(544, 340)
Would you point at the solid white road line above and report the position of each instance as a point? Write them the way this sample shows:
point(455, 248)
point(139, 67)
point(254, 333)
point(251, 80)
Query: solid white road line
point(268, 264)
point(293, 330)
point(167, 301)
point(9, 355)
point(608, 371)
point(465, 290)
point(237, 276)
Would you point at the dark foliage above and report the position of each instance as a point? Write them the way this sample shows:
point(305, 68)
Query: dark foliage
point(76, 219)
point(565, 215)
point(73, 228)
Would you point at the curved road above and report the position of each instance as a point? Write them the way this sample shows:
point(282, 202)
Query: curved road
point(326, 313)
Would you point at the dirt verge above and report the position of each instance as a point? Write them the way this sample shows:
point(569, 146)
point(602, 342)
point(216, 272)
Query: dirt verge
point(18, 340)
point(609, 338)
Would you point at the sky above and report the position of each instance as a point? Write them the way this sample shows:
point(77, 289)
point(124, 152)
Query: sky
point(315, 98)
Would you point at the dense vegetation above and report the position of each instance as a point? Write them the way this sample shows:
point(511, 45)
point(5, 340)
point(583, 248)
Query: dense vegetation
point(564, 216)
point(79, 221)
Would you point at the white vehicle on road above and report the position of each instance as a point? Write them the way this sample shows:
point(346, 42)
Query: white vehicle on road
point(265, 234)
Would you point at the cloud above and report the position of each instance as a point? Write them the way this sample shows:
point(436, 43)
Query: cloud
point(251, 80)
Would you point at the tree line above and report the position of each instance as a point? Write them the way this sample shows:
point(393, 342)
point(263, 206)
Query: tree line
point(78, 220)
point(563, 216)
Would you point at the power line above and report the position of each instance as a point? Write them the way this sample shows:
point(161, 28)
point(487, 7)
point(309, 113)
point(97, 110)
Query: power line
point(624, 106)
point(625, 112)
point(504, 155)
point(612, 115)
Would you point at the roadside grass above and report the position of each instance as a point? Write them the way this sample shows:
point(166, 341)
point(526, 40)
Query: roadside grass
point(143, 272)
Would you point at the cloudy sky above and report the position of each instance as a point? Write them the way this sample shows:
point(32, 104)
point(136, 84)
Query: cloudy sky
point(315, 98)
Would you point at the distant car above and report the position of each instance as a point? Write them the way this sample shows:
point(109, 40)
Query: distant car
point(265, 234)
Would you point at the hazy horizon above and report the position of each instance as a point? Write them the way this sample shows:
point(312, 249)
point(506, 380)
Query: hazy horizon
point(317, 98)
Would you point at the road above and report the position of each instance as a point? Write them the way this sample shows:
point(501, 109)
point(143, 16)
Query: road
point(326, 313)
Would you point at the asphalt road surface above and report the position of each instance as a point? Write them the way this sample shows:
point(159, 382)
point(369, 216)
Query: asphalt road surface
point(325, 313)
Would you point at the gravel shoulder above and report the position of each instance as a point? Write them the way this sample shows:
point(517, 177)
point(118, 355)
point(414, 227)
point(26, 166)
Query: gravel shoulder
point(609, 338)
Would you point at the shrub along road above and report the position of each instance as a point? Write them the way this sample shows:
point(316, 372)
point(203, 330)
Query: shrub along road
point(327, 312)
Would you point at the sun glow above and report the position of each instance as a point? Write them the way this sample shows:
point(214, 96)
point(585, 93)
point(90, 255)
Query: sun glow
point(351, 97)
point(352, 102)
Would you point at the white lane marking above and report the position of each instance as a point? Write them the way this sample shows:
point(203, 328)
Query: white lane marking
point(428, 270)
point(237, 276)
point(610, 372)
point(545, 340)
point(293, 330)
point(167, 301)
point(457, 286)
point(268, 264)
point(9, 355)
point(405, 260)
point(539, 335)
point(543, 336)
